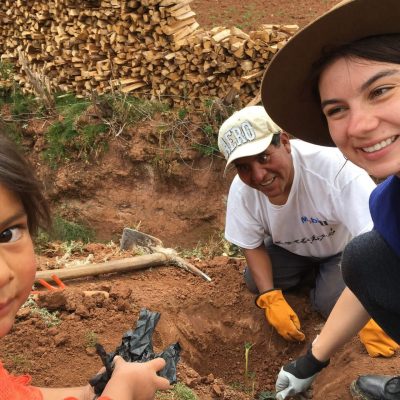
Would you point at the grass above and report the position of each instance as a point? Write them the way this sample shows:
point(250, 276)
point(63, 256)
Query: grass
point(216, 245)
point(68, 231)
point(61, 137)
point(125, 111)
point(179, 392)
point(73, 234)
point(86, 125)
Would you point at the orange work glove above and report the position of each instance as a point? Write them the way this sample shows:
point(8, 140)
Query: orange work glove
point(376, 341)
point(280, 315)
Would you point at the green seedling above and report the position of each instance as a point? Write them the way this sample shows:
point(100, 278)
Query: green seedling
point(247, 348)
point(91, 339)
point(249, 376)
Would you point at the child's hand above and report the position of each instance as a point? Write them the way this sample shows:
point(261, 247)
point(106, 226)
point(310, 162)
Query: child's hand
point(135, 381)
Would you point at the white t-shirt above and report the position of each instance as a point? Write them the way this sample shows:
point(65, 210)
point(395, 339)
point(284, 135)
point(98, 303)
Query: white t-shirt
point(326, 207)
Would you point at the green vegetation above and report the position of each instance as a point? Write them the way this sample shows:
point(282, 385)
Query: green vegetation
point(124, 111)
point(49, 318)
point(179, 392)
point(80, 129)
point(23, 107)
point(71, 233)
point(247, 348)
point(216, 245)
point(68, 231)
point(266, 395)
point(71, 134)
point(19, 361)
point(91, 339)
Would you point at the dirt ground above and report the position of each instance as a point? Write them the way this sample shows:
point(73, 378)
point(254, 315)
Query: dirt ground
point(212, 321)
point(181, 201)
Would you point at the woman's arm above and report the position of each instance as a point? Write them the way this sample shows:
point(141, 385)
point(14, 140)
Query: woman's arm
point(346, 319)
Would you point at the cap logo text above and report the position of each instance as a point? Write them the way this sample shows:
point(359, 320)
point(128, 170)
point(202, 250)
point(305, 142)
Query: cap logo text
point(237, 136)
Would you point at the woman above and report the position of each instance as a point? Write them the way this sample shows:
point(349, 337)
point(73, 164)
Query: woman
point(339, 79)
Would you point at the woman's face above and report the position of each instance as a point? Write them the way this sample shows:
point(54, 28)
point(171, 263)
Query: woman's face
point(361, 102)
point(17, 259)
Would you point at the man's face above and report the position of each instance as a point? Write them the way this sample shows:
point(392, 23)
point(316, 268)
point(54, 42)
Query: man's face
point(271, 172)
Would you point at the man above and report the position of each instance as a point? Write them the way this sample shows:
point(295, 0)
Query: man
point(292, 208)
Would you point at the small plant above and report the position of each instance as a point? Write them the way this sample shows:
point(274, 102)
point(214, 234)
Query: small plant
point(247, 348)
point(183, 392)
point(19, 361)
point(49, 318)
point(216, 245)
point(249, 377)
point(6, 70)
point(179, 392)
point(23, 107)
point(266, 395)
point(182, 113)
point(125, 110)
point(6, 78)
point(91, 339)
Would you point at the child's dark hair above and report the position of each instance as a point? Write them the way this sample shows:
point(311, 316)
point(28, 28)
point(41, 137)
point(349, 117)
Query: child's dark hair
point(17, 176)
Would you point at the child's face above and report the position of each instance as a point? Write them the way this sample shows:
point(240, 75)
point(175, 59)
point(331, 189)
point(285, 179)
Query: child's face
point(361, 102)
point(17, 259)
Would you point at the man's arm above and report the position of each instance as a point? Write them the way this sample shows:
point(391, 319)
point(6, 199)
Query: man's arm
point(277, 311)
point(260, 266)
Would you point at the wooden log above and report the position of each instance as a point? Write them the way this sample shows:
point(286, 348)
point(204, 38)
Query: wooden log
point(115, 266)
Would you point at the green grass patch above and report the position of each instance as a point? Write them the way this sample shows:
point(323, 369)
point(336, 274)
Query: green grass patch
point(64, 231)
point(71, 137)
point(179, 392)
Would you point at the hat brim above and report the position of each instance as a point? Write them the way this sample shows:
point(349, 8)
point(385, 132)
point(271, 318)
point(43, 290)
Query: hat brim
point(250, 149)
point(285, 90)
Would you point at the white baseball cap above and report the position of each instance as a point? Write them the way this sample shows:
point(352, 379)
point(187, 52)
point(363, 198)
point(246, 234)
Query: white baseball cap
point(245, 133)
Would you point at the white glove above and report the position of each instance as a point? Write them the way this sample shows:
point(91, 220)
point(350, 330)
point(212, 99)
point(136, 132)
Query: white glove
point(288, 385)
point(297, 376)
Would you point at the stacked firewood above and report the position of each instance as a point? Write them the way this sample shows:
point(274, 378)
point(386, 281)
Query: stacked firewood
point(152, 48)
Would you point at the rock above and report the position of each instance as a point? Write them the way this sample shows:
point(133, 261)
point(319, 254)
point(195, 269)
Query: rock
point(90, 351)
point(218, 390)
point(60, 339)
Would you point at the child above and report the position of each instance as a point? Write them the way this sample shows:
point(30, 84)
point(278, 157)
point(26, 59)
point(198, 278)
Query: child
point(339, 78)
point(23, 210)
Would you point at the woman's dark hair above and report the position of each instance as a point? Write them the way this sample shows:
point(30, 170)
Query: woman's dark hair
point(380, 48)
point(17, 176)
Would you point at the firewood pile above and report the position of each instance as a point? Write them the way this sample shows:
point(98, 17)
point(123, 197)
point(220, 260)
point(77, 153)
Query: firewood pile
point(152, 48)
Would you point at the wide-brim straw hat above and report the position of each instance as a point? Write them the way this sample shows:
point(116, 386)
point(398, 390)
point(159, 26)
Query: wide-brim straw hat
point(286, 92)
